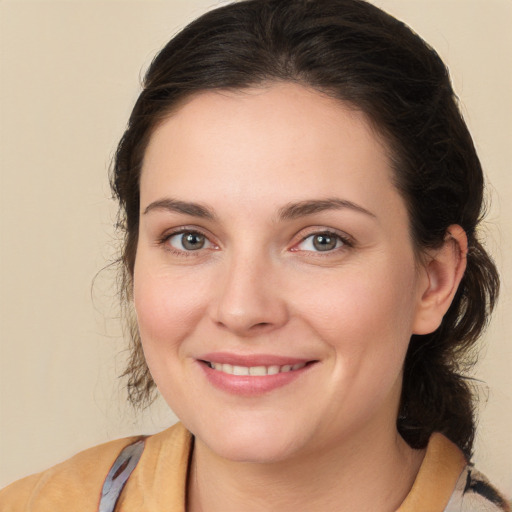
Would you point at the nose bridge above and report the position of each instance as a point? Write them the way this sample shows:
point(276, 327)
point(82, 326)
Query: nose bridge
point(248, 299)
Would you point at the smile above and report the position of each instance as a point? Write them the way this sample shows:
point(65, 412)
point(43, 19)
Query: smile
point(254, 370)
point(252, 375)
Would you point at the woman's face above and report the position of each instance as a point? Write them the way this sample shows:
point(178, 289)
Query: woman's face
point(275, 282)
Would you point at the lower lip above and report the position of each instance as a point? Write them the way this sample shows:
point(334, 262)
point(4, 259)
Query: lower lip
point(248, 385)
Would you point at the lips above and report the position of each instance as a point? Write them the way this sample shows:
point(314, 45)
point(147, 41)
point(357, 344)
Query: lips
point(252, 375)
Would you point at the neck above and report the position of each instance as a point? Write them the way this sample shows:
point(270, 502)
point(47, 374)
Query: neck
point(373, 472)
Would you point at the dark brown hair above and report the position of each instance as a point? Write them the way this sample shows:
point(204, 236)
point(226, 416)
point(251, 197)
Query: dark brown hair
point(352, 51)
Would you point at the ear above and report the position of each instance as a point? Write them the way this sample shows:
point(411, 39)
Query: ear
point(442, 272)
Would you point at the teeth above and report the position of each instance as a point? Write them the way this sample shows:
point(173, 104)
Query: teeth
point(240, 370)
point(255, 370)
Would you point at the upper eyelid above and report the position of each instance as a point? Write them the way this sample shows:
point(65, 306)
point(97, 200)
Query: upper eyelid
point(319, 230)
point(168, 233)
point(327, 233)
point(345, 243)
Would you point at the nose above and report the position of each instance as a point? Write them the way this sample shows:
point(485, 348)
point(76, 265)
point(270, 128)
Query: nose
point(250, 300)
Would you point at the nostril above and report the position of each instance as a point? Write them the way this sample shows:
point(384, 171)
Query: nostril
point(261, 325)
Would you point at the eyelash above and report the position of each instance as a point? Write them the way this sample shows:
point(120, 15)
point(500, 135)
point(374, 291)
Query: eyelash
point(346, 242)
point(165, 241)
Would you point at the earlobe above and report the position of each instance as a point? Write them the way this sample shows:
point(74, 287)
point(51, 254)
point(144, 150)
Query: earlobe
point(443, 271)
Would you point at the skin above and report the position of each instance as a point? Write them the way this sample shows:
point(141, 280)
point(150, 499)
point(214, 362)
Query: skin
point(260, 286)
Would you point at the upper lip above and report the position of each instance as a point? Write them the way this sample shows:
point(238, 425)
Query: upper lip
point(251, 359)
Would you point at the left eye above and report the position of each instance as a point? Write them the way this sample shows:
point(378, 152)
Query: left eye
point(321, 242)
point(189, 241)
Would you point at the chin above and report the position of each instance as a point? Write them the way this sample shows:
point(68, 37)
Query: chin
point(266, 451)
point(253, 443)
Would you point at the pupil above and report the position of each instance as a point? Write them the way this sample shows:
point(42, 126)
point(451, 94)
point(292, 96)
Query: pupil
point(324, 242)
point(193, 241)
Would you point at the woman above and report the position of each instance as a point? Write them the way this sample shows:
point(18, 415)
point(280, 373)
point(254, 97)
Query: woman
point(300, 199)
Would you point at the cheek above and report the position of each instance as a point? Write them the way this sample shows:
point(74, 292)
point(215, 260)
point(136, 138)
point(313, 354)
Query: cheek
point(166, 305)
point(368, 327)
point(369, 300)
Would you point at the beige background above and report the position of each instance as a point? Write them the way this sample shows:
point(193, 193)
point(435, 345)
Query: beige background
point(69, 76)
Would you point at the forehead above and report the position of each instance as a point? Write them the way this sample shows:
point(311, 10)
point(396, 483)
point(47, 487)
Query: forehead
point(270, 142)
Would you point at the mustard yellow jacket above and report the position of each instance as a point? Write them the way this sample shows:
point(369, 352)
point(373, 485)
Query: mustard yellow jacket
point(158, 482)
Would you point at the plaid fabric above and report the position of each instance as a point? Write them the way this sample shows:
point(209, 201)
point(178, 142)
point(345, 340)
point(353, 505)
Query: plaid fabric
point(474, 493)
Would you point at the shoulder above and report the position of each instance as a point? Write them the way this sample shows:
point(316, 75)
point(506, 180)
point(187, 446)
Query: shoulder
point(474, 493)
point(447, 483)
point(75, 483)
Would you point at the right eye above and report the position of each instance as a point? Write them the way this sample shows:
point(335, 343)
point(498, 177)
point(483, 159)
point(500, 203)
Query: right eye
point(188, 241)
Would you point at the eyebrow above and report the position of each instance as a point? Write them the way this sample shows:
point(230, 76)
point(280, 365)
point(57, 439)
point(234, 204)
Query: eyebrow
point(304, 208)
point(188, 208)
point(289, 212)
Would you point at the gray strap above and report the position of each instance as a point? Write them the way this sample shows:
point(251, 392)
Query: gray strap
point(119, 474)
